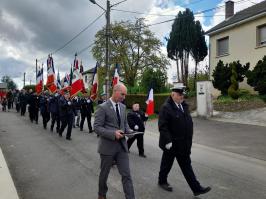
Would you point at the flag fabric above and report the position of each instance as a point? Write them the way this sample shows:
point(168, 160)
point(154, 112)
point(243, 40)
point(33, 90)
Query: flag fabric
point(150, 103)
point(116, 76)
point(81, 71)
point(76, 81)
point(94, 88)
point(58, 83)
point(39, 83)
point(51, 80)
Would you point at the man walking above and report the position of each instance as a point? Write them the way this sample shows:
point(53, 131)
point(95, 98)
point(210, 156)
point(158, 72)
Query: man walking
point(176, 132)
point(136, 119)
point(111, 125)
point(86, 111)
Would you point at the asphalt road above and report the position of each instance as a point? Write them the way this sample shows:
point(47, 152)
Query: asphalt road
point(45, 166)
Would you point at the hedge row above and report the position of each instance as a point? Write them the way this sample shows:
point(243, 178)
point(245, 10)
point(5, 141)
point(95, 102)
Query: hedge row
point(159, 99)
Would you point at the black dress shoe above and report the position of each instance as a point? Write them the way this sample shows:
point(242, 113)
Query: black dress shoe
point(69, 138)
point(166, 187)
point(202, 190)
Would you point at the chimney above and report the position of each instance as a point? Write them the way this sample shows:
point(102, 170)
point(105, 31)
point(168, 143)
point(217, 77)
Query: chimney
point(229, 9)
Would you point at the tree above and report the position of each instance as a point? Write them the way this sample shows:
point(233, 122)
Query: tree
point(154, 78)
point(133, 46)
point(199, 50)
point(181, 41)
point(10, 83)
point(257, 77)
point(233, 88)
point(221, 77)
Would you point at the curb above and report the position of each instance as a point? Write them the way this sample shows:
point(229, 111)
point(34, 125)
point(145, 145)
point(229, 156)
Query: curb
point(7, 187)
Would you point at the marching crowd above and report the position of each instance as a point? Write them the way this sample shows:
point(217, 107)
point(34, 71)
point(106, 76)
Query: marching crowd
point(112, 124)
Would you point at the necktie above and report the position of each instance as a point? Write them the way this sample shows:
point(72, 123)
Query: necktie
point(117, 114)
point(180, 107)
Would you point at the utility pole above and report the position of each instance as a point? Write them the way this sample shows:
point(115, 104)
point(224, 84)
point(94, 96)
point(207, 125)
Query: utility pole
point(107, 51)
point(24, 80)
point(36, 70)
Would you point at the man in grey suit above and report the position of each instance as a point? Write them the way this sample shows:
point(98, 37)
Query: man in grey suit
point(111, 125)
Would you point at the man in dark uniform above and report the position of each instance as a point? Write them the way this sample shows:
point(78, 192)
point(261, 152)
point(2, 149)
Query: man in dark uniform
point(176, 132)
point(76, 104)
point(136, 119)
point(23, 102)
point(86, 111)
point(33, 101)
point(54, 110)
point(44, 107)
point(66, 114)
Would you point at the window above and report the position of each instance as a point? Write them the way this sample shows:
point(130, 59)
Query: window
point(261, 32)
point(222, 46)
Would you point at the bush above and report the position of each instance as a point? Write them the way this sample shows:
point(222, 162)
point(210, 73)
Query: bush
point(257, 77)
point(233, 88)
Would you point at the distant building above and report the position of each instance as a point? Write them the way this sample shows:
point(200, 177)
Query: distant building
point(241, 36)
point(3, 90)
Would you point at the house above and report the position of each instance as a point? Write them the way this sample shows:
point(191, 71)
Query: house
point(241, 36)
point(3, 90)
point(87, 77)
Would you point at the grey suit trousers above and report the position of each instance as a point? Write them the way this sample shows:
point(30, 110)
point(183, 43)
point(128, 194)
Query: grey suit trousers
point(122, 161)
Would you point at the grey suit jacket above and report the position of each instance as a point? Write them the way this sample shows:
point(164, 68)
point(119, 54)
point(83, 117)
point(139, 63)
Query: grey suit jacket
point(105, 125)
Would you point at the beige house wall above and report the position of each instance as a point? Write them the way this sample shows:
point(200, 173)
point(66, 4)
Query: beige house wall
point(242, 46)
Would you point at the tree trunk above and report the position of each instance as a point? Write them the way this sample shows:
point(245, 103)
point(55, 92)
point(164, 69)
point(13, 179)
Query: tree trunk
point(177, 70)
point(186, 68)
point(182, 69)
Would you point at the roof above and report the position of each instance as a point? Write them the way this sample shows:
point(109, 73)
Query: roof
point(88, 71)
point(252, 11)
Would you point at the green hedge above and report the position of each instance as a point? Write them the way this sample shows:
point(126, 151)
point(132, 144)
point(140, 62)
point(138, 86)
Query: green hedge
point(141, 99)
point(159, 99)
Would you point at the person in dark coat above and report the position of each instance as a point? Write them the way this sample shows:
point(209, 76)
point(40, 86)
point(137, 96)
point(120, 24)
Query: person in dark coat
point(176, 132)
point(44, 108)
point(23, 102)
point(9, 97)
point(33, 101)
point(66, 111)
point(54, 110)
point(86, 111)
point(136, 119)
point(76, 104)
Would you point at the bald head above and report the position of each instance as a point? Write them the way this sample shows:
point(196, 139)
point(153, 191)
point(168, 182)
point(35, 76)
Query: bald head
point(119, 92)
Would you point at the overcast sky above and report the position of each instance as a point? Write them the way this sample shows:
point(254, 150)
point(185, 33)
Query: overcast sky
point(31, 29)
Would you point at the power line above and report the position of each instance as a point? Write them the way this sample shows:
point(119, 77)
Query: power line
point(154, 14)
point(77, 35)
point(81, 51)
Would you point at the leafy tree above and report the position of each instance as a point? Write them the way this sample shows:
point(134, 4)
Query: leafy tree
point(28, 87)
point(199, 50)
point(156, 79)
point(221, 77)
point(233, 88)
point(181, 41)
point(10, 83)
point(257, 77)
point(133, 46)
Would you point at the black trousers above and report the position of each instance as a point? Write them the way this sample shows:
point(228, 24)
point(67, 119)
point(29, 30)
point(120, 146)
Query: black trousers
point(45, 118)
point(66, 121)
point(185, 165)
point(17, 107)
point(55, 118)
point(23, 109)
point(88, 121)
point(139, 138)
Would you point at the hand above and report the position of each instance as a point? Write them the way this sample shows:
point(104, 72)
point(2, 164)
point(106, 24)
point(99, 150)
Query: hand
point(136, 127)
point(168, 146)
point(119, 134)
point(146, 115)
point(69, 103)
point(88, 101)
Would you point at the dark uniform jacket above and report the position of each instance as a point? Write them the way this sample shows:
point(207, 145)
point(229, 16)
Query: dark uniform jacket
point(176, 127)
point(86, 107)
point(136, 118)
point(54, 105)
point(65, 109)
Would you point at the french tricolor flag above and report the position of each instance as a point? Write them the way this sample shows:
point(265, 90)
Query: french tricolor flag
point(116, 76)
point(150, 103)
point(94, 88)
point(39, 85)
